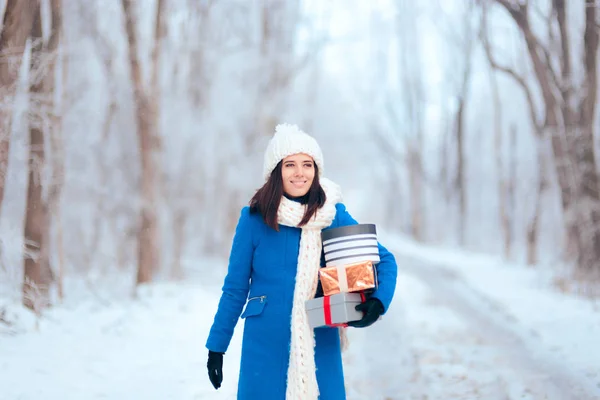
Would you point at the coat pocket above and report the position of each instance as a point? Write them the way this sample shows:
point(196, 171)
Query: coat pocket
point(255, 306)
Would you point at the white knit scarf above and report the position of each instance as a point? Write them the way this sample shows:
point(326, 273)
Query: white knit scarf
point(301, 374)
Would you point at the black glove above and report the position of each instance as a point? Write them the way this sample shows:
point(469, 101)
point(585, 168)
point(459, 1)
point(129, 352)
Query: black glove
point(373, 308)
point(215, 368)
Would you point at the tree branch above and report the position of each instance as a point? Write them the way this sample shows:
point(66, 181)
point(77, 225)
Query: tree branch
point(510, 72)
point(565, 84)
point(590, 43)
point(553, 77)
point(540, 67)
point(515, 6)
point(559, 8)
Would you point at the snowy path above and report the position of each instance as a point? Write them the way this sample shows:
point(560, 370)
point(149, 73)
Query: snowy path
point(443, 340)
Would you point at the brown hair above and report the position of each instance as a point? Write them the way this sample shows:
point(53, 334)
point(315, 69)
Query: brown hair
point(266, 199)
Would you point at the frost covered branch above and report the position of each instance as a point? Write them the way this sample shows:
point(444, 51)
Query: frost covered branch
point(520, 80)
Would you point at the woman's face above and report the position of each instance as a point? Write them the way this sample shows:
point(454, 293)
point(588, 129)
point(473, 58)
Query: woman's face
point(297, 173)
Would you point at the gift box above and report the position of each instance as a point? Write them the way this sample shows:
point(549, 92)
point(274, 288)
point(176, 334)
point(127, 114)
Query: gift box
point(357, 277)
point(336, 310)
point(350, 244)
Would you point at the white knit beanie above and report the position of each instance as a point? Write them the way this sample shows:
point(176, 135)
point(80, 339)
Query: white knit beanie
point(287, 140)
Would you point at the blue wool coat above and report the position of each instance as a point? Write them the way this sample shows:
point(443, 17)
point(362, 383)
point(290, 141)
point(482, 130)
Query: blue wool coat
point(261, 275)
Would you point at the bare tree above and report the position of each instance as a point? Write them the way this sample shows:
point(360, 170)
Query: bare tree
point(38, 274)
point(511, 179)
point(401, 142)
point(16, 28)
point(453, 149)
point(465, 43)
point(110, 211)
point(199, 82)
point(54, 127)
point(149, 145)
point(503, 182)
point(181, 204)
point(394, 159)
point(203, 40)
point(568, 120)
point(445, 160)
point(414, 102)
point(533, 225)
point(160, 30)
point(278, 23)
point(505, 179)
point(507, 186)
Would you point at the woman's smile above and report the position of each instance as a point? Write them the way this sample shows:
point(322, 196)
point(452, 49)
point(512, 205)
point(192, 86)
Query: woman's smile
point(298, 184)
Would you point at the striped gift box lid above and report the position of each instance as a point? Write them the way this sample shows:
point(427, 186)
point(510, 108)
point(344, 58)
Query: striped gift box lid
point(350, 244)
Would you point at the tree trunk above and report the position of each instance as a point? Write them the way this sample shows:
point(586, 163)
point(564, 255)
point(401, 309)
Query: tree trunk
point(498, 155)
point(278, 30)
point(105, 216)
point(533, 228)
point(583, 212)
point(589, 258)
point(17, 24)
point(573, 144)
point(571, 130)
point(460, 182)
point(415, 168)
point(37, 276)
point(511, 185)
point(37, 272)
point(466, 51)
point(54, 130)
point(446, 180)
point(148, 251)
point(460, 172)
point(199, 82)
point(160, 32)
point(414, 100)
point(178, 244)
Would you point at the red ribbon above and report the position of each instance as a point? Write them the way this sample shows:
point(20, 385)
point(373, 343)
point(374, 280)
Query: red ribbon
point(327, 310)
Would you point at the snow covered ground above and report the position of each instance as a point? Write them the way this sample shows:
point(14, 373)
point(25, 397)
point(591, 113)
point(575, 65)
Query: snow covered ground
point(549, 338)
point(461, 326)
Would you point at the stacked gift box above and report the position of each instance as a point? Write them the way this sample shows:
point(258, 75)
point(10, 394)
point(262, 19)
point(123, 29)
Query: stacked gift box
point(351, 253)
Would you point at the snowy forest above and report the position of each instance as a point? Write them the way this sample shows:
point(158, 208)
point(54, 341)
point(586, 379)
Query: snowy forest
point(133, 132)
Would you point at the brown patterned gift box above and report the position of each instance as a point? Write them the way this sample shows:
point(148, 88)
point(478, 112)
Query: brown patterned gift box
point(357, 277)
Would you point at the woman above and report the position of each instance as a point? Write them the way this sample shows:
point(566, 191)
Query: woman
point(273, 270)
